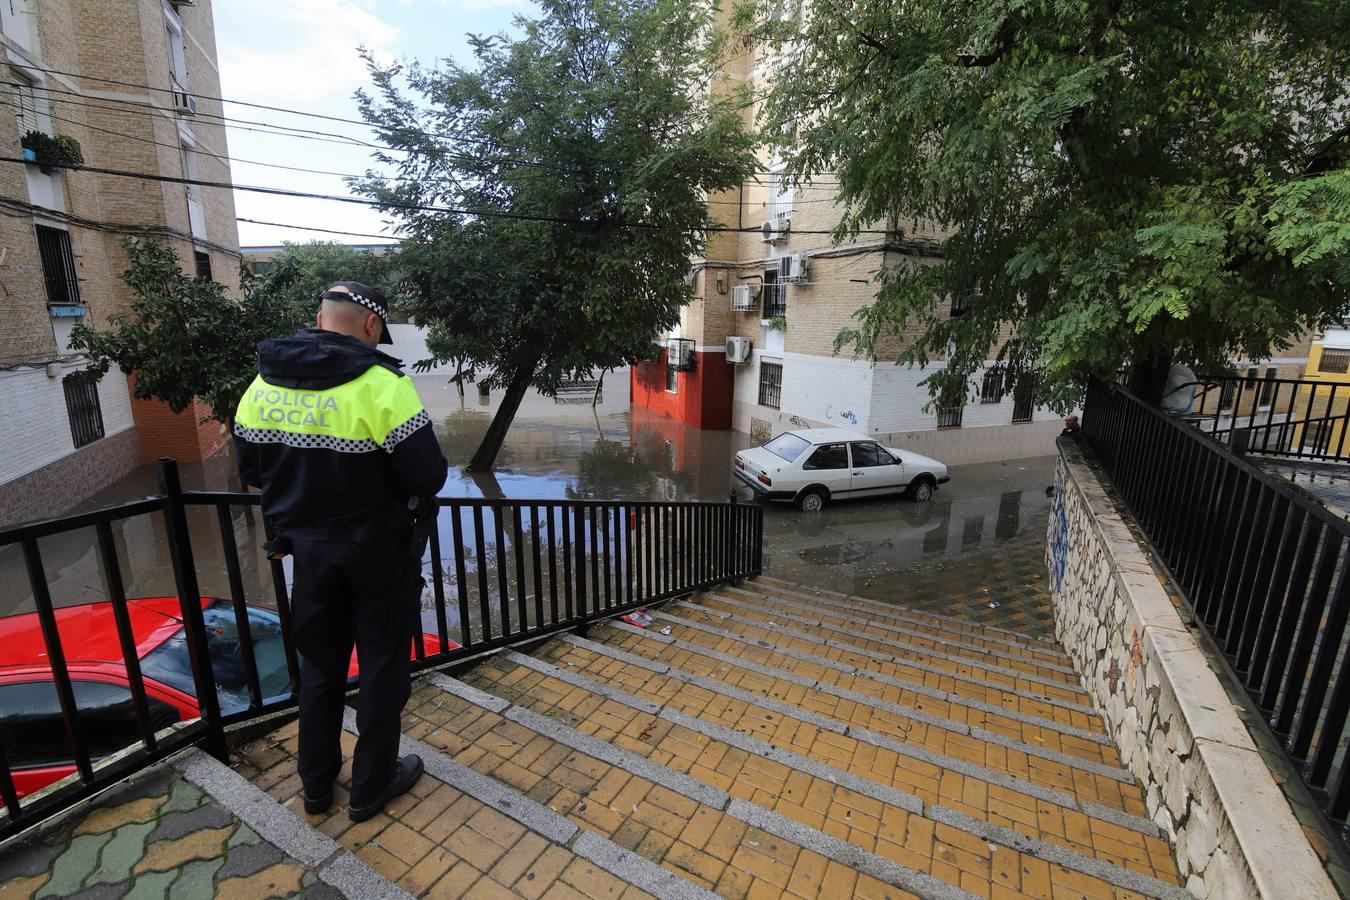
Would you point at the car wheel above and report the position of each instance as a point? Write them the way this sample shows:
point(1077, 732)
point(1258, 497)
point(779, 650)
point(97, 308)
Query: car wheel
point(812, 500)
point(921, 491)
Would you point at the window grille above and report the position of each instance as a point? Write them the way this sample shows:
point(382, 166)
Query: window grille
point(950, 416)
point(770, 384)
point(86, 415)
point(991, 391)
point(58, 266)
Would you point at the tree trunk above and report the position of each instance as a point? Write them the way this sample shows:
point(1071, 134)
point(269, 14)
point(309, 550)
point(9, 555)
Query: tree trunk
point(487, 451)
point(599, 386)
point(1148, 378)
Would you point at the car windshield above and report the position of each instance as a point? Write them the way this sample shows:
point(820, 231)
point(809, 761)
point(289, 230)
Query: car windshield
point(787, 446)
point(169, 663)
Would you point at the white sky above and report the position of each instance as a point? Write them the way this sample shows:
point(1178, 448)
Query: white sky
point(302, 54)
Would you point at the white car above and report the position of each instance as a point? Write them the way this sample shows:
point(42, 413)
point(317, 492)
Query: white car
point(813, 466)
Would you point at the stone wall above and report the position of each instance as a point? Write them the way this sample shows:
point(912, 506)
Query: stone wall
point(1207, 786)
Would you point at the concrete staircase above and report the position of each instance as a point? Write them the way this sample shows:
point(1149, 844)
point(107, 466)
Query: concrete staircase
point(761, 740)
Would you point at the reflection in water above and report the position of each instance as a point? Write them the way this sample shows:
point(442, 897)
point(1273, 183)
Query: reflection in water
point(559, 451)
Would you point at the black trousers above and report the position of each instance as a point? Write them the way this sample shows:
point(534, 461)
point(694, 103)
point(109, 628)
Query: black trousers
point(367, 595)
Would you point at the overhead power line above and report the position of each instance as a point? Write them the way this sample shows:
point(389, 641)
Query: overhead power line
point(384, 237)
point(128, 107)
point(291, 111)
point(17, 208)
point(231, 160)
point(417, 207)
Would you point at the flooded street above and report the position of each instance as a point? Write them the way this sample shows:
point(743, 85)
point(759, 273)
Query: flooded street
point(979, 537)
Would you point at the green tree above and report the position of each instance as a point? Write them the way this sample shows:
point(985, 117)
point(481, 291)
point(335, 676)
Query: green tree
point(1126, 183)
point(186, 338)
point(300, 271)
point(579, 156)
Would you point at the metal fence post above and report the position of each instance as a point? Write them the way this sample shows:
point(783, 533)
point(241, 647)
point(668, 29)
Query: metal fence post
point(190, 602)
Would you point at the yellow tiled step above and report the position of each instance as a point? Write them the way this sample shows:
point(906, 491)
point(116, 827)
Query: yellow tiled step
point(435, 840)
point(854, 619)
point(918, 774)
point(864, 635)
point(875, 705)
point(899, 614)
point(974, 854)
point(704, 844)
point(978, 687)
point(896, 660)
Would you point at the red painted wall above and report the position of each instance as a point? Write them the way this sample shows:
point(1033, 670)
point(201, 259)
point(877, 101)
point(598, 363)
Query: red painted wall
point(183, 436)
point(703, 395)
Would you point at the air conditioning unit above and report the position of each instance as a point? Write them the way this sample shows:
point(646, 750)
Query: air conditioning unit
point(738, 350)
point(775, 231)
point(793, 268)
point(745, 297)
point(185, 103)
point(680, 353)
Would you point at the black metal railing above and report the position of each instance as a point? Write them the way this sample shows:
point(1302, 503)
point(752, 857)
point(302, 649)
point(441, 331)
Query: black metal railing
point(1295, 418)
point(1261, 563)
point(502, 571)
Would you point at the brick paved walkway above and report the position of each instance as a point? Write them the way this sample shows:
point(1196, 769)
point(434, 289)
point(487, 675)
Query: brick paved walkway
point(775, 741)
point(160, 836)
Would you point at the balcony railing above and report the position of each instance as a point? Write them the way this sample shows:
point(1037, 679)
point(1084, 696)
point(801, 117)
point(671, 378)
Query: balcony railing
point(502, 571)
point(1261, 564)
point(1283, 417)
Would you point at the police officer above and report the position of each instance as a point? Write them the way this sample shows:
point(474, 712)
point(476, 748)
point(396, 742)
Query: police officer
point(336, 437)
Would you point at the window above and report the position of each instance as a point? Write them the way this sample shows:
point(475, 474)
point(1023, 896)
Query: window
point(672, 376)
point(959, 305)
point(173, 32)
point(1269, 389)
point(1334, 362)
point(1317, 437)
point(787, 446)
point(32, 106)
point(58, 266)
point(770, 383)
point(827, 456)
point(1024, 399)
point(33, 732)
point(950, 416)
point(869, 456)
point(991, 391)
point(86, 415)
point(775, 294)
point(203, 261)
point(972, 531)
point(169, 663)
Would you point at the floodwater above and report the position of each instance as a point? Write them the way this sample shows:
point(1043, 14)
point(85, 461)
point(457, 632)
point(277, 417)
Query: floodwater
point(563, 448)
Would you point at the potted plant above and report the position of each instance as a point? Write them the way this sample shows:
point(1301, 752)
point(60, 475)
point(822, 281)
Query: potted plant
point(51, 152)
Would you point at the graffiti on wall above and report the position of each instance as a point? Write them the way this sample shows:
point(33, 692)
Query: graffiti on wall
point(1059, 533)
point(846, 415)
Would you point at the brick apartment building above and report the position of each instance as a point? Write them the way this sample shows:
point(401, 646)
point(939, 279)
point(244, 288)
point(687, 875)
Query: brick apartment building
point(132, 81)
point(791, 275)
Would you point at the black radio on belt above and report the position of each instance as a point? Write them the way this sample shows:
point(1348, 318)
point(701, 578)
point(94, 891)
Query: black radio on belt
point(418, 518)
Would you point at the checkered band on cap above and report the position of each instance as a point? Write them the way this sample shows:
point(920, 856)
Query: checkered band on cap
point(368, 304)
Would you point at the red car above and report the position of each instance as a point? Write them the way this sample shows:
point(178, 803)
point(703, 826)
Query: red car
point(31, 728)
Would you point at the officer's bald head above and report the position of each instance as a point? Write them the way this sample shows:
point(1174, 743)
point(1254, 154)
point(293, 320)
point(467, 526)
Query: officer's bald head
point(350, 318)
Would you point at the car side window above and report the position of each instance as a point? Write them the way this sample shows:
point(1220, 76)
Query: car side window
point(868, 455)
point(170, 664)
point(827, 456)
point(33, 733)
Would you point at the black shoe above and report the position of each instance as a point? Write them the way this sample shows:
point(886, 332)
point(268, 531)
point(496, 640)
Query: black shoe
point(405, 776)
point(317, 806)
